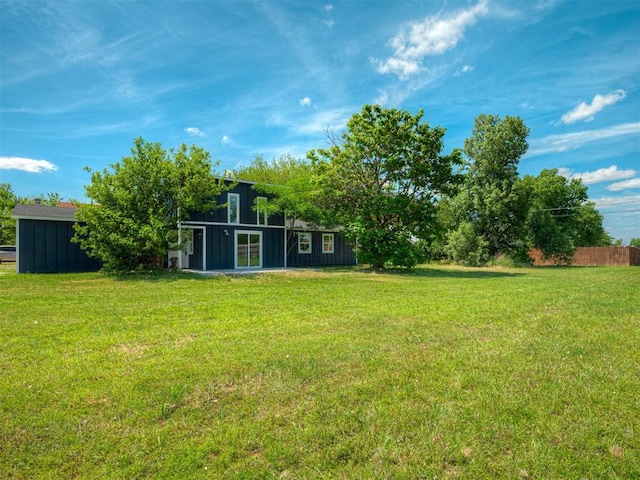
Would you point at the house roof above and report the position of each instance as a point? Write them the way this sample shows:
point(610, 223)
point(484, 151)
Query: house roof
point(45, 212)
point(306, 226)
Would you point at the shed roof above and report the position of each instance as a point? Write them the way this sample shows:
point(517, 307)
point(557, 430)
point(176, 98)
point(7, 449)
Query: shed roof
point(44, 212)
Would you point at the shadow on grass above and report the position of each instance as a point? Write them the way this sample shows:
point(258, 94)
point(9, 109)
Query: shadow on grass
point(160, 276)
point(425, 271)
point(438, 272)
point(419, 272)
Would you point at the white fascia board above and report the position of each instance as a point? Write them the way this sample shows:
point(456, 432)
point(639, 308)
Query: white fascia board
point(54, 219)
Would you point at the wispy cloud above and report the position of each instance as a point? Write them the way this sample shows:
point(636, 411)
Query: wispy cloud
point(607, 174)
point(572, 141)
point(194, 132)
point(433, 36)
point(624, 185)
point(396, 93)
point(611, 201)
point(333, 120)
point(226, 140)
point(305, 102)
point(98, 130)
point(587, 111)
point(26, 164)
point(464, 69)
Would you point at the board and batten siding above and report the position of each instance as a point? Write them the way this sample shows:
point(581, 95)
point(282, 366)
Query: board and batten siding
point(248, 216)
point(220, 243)
point(342, 254)
point(44, 246)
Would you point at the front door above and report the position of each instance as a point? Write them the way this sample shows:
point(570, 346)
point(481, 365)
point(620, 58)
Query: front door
point(248, 249)
point(196, 260)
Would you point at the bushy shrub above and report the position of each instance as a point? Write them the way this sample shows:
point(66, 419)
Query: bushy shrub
point(465, 247)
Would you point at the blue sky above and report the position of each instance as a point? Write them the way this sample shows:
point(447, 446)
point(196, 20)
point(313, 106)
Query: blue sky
point(81, 80)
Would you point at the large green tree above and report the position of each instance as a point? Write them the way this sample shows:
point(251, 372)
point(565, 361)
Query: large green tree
point(136, 203)
point(560, 216)
point(489, 205)
point(382, 181)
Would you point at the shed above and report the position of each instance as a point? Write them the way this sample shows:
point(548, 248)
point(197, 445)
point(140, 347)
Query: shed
point(43, 240)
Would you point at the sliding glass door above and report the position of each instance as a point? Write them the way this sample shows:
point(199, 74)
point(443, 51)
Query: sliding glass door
point(248, 249)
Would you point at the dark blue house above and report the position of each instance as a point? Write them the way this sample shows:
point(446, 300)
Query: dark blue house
point(232, 237)
point(238, 237)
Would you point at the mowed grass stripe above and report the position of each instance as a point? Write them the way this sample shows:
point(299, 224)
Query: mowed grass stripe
point(341, 373)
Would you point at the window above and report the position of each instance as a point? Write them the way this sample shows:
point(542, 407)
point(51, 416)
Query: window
point(304, 243)
point(234, 208)
point(327, 243)
point(261, 211)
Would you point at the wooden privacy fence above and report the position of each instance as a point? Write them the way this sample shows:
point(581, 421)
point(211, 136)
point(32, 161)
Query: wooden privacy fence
point(594, 256)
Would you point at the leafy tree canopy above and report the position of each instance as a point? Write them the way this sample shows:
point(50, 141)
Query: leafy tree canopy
point(634, 242)
point(291, 188)
point(489, 205)
point(382, 182)
point(290, 184)
point(137, 202)
point(8, 201)
point(560, 216)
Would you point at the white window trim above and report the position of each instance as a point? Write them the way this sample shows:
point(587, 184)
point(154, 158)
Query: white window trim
point(237, 197)
point(310, 236)
point(330, 235)
point(261, 214)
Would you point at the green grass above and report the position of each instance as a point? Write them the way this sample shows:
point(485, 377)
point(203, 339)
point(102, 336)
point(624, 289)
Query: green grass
point(442, 372)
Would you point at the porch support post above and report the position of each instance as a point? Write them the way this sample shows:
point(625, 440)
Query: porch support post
point(180, 245)
point(285, 240)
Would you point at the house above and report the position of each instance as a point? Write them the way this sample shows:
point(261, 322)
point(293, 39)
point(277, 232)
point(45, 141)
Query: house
point(237, 237)
point(232, 237)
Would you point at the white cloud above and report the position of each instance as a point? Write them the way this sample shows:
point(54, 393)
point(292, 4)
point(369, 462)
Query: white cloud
point(624, 185)
point(587, 112)
point(433, 36)
point(601, 175)
point(26, 164)
point(226, 140)
point(328, 7)
point(572, 141)
point(465, 69)
point(194, 132)
point(305, 102)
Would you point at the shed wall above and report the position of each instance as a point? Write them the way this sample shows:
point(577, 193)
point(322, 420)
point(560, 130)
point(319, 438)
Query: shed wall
point(44, 246)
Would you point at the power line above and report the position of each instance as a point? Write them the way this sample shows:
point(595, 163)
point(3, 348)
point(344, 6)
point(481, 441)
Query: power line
point(620, 203)
point(595, 205)
point(622, 211)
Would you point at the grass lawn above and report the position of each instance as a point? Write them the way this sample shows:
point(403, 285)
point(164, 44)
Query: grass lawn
point(441, 372)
